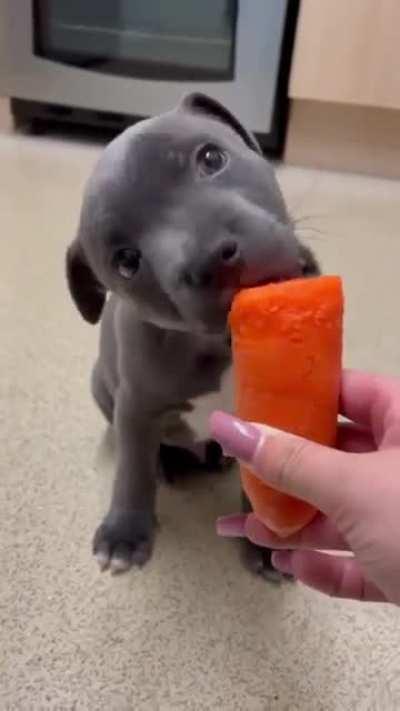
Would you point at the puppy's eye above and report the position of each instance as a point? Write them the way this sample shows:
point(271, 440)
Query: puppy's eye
point(126, 262)
point(211, 159)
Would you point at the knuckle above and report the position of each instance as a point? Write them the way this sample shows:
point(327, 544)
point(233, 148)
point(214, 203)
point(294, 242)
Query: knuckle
point(291, 465)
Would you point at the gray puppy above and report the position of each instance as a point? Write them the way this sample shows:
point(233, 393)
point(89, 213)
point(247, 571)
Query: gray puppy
point(181, 211)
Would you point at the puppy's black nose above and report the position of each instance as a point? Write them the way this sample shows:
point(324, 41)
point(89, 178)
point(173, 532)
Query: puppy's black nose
point(217, 268)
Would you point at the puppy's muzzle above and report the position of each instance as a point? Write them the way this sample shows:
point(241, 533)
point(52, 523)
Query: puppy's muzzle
point(220, 267)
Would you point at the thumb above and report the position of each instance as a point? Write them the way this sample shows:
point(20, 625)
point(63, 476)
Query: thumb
point(316, 474)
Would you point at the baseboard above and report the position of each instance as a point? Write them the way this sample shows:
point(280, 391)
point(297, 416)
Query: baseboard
point(346, 138)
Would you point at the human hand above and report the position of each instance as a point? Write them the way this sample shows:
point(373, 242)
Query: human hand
point(356, 487)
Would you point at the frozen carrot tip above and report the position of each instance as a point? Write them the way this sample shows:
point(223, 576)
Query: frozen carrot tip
point(287, 352)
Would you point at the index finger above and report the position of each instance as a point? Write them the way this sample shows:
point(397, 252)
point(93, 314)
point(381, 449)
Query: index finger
point(366, 398)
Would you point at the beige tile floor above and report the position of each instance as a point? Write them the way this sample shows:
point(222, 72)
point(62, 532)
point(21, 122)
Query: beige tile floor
point(191, 631)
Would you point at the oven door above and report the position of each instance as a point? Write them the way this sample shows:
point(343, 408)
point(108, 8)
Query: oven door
point(139, 58)
point(181, 40)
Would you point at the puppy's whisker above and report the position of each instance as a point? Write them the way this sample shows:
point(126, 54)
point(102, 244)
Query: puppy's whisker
point(314, 230)
point(316, 216)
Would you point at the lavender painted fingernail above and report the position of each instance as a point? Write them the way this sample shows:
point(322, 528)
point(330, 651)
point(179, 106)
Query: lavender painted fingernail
point(237, 438)
point(231, 526)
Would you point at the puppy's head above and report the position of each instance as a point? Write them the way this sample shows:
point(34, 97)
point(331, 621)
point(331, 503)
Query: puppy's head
point(180, 213)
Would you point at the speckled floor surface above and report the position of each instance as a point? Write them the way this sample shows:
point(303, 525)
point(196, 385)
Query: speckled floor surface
point(192, 631)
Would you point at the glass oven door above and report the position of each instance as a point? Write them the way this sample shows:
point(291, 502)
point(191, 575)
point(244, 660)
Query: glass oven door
point(153, 39)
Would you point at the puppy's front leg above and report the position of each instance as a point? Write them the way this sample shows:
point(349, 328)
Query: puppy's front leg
point(125, 536)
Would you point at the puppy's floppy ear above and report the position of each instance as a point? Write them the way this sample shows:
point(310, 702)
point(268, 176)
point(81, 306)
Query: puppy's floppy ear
point(87, 292)
point(203, 104)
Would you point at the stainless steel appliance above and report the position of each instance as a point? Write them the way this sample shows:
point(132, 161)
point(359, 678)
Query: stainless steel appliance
point(109, 62)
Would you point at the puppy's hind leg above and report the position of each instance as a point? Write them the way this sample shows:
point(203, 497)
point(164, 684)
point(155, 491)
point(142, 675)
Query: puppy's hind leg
point(101, 394)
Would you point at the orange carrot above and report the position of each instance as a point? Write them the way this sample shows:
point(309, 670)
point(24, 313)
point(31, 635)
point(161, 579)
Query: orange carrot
point(287, 347)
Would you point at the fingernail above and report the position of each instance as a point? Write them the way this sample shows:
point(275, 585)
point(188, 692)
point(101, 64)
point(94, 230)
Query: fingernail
point(256, 532)
point(282, 561)
point(237, 438)
point(231, 526)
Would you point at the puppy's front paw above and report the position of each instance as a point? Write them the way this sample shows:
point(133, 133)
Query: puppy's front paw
point(258, 561)
point(124, 539)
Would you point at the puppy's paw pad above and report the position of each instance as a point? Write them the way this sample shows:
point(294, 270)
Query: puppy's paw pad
point(124, 539)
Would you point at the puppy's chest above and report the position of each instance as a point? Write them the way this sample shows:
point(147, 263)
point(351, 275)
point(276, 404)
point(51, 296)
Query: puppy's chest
point(198, 365)
point(207, 375)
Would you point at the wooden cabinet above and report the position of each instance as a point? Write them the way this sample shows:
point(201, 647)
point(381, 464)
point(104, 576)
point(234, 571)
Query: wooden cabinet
point(348, 51)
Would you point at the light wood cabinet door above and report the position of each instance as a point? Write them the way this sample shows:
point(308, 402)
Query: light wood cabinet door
point(348, 51)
